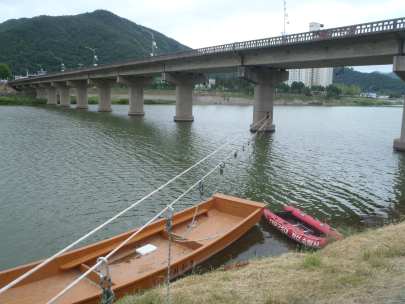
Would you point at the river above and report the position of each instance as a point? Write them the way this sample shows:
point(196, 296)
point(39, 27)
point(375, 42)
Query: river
point(66, 171)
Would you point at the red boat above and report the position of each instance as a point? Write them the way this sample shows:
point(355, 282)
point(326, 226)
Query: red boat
point(301, 227)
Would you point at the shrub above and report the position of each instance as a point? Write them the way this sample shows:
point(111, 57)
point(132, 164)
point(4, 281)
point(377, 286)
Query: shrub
point(93, 100)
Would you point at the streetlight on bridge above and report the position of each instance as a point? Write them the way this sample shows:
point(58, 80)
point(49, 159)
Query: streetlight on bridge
point(95, 57)
point(41, 72)
point(61, 64)
point(285, 16)
point(26, 70)
point(153, 42)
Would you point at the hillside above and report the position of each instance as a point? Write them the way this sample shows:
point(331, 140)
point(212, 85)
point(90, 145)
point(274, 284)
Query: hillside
point(370, 82)
point(28, 42)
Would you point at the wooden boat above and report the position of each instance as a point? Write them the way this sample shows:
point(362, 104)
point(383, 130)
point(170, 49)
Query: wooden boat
point(219, 222)
point(301, 227)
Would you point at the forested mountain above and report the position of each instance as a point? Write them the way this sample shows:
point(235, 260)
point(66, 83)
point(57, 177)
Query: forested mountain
point(393, 75)
point(370, 82)
point(24, 43)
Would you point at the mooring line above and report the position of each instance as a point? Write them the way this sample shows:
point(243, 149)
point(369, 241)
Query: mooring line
point(16, 281)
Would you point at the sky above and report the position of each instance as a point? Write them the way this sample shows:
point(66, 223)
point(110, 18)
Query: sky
point(206, 23)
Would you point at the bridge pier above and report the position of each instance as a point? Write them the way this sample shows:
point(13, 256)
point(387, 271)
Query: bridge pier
point(184, 93)
point(264, 81)
point(52, 99)
point(64, 93)
point(104, 93)
point(81, 93)
point(41, 92)
point(136, 85)
point(398, 68)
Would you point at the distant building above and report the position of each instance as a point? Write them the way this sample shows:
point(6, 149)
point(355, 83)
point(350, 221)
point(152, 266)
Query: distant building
point(372, 95)
point(314, 76)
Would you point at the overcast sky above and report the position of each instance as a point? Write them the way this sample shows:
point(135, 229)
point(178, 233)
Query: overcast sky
point(212, 22)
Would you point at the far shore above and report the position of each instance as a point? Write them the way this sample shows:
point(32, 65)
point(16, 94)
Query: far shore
point(121, 96)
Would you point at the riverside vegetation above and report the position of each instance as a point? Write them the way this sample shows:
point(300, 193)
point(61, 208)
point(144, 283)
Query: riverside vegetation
point(367, 267)
point(307, 100)
point(31, 100)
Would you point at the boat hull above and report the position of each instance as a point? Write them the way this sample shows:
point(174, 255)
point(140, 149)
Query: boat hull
point(301, 227)
point(220, 221)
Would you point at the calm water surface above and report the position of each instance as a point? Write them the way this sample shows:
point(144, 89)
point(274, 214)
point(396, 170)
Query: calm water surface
point(63, 171)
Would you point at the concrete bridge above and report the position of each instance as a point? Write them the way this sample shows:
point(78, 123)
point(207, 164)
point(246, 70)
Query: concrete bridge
point(262, 62)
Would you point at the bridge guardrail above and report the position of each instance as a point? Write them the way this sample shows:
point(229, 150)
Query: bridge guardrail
point(351, 30)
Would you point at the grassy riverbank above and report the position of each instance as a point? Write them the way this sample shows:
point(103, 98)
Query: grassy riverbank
point(31, 100)
point(21, 100)
point(297, 101)
point(367, 267)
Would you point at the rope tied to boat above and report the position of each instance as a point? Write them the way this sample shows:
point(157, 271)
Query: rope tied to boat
point(169, 224)
point(16, 281)
point(270, 115)
point(108, 295)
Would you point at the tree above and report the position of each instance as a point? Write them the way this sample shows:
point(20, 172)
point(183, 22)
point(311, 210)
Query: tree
point(296, 87)
point(395, 95)
point(282, 87)
point(333, 91)
point(307, 91)
point(4, 71)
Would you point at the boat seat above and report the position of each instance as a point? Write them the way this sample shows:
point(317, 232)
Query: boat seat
point(140, 236)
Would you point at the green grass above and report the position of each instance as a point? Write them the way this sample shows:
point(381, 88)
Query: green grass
point(226, 277)
point(151, 101)
point(21, 100)
point(300, 97)
point(311, 260)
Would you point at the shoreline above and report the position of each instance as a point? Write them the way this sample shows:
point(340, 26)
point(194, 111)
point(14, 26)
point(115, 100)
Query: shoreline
point(20, 99)
point(366, 267)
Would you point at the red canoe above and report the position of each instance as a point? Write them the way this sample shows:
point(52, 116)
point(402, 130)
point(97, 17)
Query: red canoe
point(301, 227)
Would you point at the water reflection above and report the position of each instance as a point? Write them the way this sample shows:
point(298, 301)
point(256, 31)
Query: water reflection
point(65, 171)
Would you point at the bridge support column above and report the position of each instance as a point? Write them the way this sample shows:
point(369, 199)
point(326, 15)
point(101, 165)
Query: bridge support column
point(184, 93)
point(398, 68)
point(64, 93)
point(41, 92)
point(104, 93)
point(136, 85)
point(81, 93)
point(264, 81)
point(52, 99)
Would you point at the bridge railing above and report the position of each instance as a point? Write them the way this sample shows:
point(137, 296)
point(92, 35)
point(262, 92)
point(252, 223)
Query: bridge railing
point(351, 30)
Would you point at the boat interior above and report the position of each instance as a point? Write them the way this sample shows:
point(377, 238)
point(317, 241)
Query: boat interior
point(299, 224)
point(214, 219)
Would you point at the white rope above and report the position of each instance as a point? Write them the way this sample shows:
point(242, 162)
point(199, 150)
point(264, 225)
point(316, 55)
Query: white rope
point(16, 281)
point(127, 240)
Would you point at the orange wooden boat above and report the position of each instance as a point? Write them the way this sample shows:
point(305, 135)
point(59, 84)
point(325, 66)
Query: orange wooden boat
point(219, 222)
